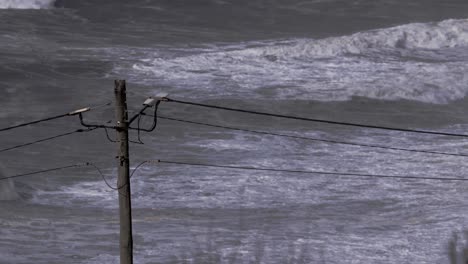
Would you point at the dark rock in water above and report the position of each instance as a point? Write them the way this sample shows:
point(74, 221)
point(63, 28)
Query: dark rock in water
point(59, 3)
point(271, 58)
point(7, 189)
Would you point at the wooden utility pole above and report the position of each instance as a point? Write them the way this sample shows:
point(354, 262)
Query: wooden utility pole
point(123, 183)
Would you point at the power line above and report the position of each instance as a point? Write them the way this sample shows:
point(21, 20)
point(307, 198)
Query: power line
point(138, 166)
point(131, 175)
point(72, 113)
point(47, 170)
point(310, 172)
point(115, 141)
point(102, 176)
point(47, 139)
point(35, 122)
point(105, 180)
point(313, 139)
point(316, 120)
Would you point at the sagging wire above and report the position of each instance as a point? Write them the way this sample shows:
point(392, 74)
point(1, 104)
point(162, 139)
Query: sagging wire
point(139, 115)
point(102, 176)
point(107, 182)
point(138, 131)
point(115, 141)
point(155, 118)
point(138, 128)
point(108, 136)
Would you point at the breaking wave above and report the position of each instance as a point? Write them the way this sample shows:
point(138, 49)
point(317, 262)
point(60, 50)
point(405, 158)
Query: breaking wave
point(26, 4)
point(433, 36)
point(420, 61)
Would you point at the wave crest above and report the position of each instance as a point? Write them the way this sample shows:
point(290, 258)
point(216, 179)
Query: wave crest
point(26, 4)
point(422, 62)
point(446, 34)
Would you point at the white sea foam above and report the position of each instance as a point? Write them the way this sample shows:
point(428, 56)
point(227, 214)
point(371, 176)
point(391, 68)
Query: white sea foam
point(26, 4)
point(419, 61)
point(94, 193)
point(446, 34)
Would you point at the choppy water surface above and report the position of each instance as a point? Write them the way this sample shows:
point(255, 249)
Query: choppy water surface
point(387, 63)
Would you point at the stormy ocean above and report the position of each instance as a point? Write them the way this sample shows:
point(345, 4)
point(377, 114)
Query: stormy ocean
point(390, 63)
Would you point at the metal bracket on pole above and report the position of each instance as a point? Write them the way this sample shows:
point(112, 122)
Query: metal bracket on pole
point(80, 114)
point(148, 103)
point(79, 111)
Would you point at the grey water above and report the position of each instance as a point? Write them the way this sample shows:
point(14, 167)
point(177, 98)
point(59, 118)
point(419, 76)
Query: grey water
point(382, 62)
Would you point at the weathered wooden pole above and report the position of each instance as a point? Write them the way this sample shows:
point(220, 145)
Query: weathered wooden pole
point(123, 183)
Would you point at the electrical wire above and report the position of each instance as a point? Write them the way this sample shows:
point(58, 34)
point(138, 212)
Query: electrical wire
point(138, 166)
point(115, 141)
point(46, 170)
point(100, 106)
point(66, 167)
point(108, 184)
point(310, 172)
point(313, 139)
point(317, 120)
point(47, 139)
point(138, 130)
point(131, 175)
point(103, 177)
point(72, 113)
point(108, 136)
point(34, 122)
point(74, 166)
point(155, 119)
